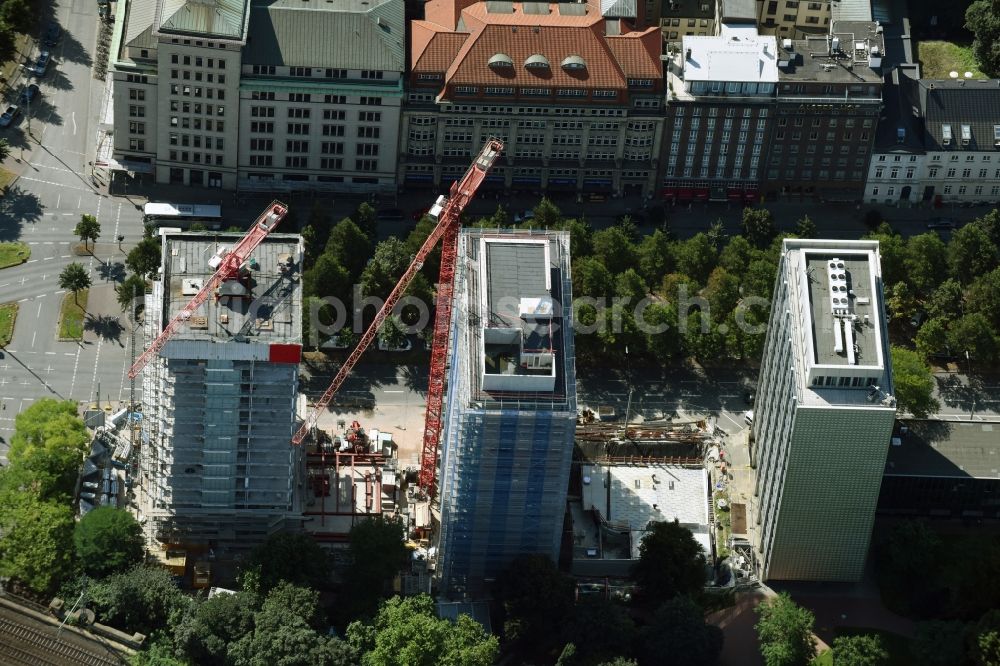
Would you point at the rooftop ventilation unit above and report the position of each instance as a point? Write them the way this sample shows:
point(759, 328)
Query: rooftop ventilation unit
point(945, 135)
point(787, 45)
point(837, 276)
point(966, 134)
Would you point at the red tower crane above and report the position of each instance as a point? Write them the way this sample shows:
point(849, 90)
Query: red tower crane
point(447, 211)
point(226, 267)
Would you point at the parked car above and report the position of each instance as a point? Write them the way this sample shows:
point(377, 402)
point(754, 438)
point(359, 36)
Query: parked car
point(390, 215)
point(9, 115)
point(29, 93)
point(41, 64)
point(52, 34)
point(940, 223)
point(748, 417)
point(407, 346)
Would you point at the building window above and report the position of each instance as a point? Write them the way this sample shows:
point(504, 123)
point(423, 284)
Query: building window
point(294, 146)
point(333, 130)
point(371, 101)
point(298, 128)
point(371, 74)
point(296, 162)
point(300, 71)
point(332, 148)
point(331, 163)
point(261, 160)
point(298, 113)
point(366, 165)
point(368, 132)
point(267, 70)
point(369, 117)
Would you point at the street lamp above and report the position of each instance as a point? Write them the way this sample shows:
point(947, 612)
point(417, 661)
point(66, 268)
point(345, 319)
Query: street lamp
point(972, 410)
point(120, 239)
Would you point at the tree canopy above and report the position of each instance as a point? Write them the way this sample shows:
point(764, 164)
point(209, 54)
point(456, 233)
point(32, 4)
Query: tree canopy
point(982, 18)
point(859, 650)
point(678, 629)
point(144, 599)
point(914, 383)
point(784, 630)
point(406, 632)
point(144, 258)
point(377, 555)
point(36, 545)
point(74, 278)
point(293, 558)
point(88, 228)
point(49, 443)
point(535, 596)
point(108, 540)
point(671, 563)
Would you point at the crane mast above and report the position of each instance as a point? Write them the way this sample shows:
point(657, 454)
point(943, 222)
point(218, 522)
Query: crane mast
point(447, 212)
point(227, 267)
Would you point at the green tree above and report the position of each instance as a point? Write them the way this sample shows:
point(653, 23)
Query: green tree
point(366, 219)
point(974, 334)
point(670, 563)
point(926, 262)
point(615, 249)
point(859, 650)
point(805, 227)
point(19, 15)
point(655, 257)
point(378, 552)
point(892, 252)
point(631, 287)
point(547, 214)
point(415, 240)
point(292, 557)
point(49, 442)
point(349, 245)
point(144, 258)
point(285, 633)
point(592, 278)
point(391, 334)
point(982, 18)
point(88, 229)
point(599, 629)
point(902, 302)
point(108, 540)
point(534, 596)
point(939, 643)
point(722, 292)
point(4, 145)
point(914, 383)
point(618, 661)
point(581, 236)
point(131, 293)
point(74, 278)
point(406, 632)
point(207, 629)
point(932, 338)
point(736, 256)
point(984, 639)
point(158, 653)
point(946, 301)
point(971, 253)
point(758, 226)
point(695, 257)
point(984, 297)
point(142, 599)
point(664, 344)
point(785, 632)
point(36, 542)
point(678, 629)
point(385, 268)
point(327, 278)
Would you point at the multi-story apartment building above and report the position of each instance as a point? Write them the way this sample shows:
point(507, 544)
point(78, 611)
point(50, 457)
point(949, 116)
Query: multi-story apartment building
point(793, 19)
point(683, 18)
point(576, 98)
point(253, 94)
point(218, 401)
point(828, 102)
point(959, 125)
point(511, 406)
point(824, 413)
point(897, 168)
point(719, 115)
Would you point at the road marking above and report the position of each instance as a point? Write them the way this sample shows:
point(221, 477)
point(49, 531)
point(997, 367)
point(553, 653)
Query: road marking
point(50, 353)
point(31, 261)
point(392, 391)
point(59, 200)
point(73, 118)
point(23, 300)
point(67, 187)
point(68, 353)
point(76, 364)
point(65, 256)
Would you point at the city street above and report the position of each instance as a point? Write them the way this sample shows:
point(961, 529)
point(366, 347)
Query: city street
point(41, 209)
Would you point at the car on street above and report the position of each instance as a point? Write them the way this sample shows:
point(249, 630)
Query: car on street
point(524, 216)
point(748, 417)
point(406, 346)
point(41, 64)
point(52, 34)
point(390, 215)
point(9, 115)
point(940, 223)
point(29, 93)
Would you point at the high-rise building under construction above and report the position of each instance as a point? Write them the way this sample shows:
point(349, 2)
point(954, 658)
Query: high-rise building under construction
point(511, 406)
point(219, 399)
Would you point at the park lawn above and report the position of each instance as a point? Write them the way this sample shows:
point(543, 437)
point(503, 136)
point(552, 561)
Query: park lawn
point(939, 58)
point(8, 314)
point(12, 254)
point(71, 315)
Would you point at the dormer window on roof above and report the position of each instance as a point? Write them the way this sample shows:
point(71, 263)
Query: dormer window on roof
point(946, 134)
point(966, 134)
point(536, 61)
point(574, 62)
point(996, 135)
point(501, 61)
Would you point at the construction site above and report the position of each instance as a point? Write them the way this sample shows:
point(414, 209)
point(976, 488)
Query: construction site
point(223, 450)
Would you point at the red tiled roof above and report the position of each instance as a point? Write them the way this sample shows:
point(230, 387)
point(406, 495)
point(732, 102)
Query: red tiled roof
point(518, 35)
point(638, 53)
point(433, 47)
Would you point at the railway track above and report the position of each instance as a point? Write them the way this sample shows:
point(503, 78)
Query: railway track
point(21, 644)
